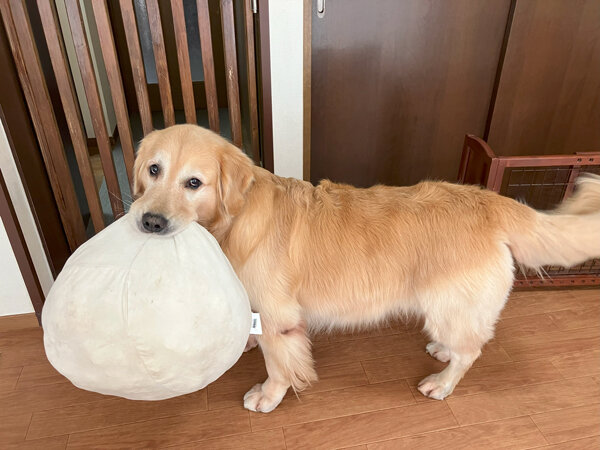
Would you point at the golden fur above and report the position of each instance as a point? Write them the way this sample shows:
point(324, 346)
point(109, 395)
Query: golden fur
point(336, 256)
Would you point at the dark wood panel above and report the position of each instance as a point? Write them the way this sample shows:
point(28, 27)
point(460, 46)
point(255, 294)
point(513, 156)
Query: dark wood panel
point(397, 85)
point(548, 98)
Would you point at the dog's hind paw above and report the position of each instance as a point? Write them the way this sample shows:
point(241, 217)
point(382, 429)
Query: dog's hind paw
point(438, 351)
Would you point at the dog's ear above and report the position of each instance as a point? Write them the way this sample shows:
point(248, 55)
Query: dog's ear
point(235, 178)
point(139, 165)
point(138, 184)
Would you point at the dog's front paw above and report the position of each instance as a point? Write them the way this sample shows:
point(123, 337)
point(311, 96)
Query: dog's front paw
point(435, 387)
point(256, 400)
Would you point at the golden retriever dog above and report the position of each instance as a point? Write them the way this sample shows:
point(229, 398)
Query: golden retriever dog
point(335, 256)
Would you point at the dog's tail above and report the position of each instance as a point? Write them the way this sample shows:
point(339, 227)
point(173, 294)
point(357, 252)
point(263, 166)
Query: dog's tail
point(567, 236)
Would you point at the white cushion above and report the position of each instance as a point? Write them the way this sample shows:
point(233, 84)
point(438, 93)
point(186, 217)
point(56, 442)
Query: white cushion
point(144, 316)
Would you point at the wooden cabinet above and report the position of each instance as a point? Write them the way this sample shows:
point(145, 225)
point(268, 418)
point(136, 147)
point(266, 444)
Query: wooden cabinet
point(396, 84)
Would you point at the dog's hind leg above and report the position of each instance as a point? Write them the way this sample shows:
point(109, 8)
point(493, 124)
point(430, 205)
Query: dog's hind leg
point(460, 321)
point(440, 385)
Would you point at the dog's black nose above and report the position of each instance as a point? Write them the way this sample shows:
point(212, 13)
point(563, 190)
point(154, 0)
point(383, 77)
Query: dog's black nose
point(154, 223)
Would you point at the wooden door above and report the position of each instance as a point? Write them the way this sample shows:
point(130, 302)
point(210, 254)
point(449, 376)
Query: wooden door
point(548, 99)
point(396, 85)
point(37, 41)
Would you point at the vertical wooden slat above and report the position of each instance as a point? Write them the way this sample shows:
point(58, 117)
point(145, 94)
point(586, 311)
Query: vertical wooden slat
point(208, 64)
point(137, 64)
point(251, 68)
point(306, 88)
point(231, 72)
point(183, 57)
point(18, 30)
point(68, 99)
point(573, 175)
point(266, 104)
point(92, 94)
point(160, 58)
point(113, 70)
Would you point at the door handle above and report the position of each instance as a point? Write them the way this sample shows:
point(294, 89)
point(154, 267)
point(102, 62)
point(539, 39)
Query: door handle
point(320, 8)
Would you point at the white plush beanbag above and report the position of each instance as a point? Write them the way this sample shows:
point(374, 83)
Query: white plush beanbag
point(144, 316)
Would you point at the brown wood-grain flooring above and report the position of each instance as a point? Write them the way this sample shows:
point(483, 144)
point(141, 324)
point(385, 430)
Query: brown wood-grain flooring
point(537, 385)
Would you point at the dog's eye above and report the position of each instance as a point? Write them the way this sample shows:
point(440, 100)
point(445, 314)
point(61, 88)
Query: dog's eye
point(193, 183)
point(154, 169)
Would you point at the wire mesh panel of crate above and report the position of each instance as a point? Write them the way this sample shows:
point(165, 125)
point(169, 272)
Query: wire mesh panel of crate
point(543, 188)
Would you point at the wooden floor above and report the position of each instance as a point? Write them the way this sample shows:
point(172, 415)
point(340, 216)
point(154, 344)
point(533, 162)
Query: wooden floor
point(536, 385)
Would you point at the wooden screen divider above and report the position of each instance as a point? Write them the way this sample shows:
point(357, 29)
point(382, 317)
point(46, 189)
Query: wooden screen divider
point(84, 60)
point(18, 30)
point(480, 165)
point(160, 59)
point(115, 80)
point(31, 74)
point(137, 64)
point(183, 57)
point(68, 98)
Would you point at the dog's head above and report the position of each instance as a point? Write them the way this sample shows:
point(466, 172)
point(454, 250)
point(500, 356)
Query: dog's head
point(185, 174)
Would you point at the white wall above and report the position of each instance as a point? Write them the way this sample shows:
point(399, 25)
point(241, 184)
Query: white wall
point(286, 38)
point(14, 298)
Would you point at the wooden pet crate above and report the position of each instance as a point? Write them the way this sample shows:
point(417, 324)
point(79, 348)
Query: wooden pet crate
point(540, 181)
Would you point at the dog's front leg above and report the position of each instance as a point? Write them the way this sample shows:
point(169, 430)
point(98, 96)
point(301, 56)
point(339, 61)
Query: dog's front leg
point(289, 363)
